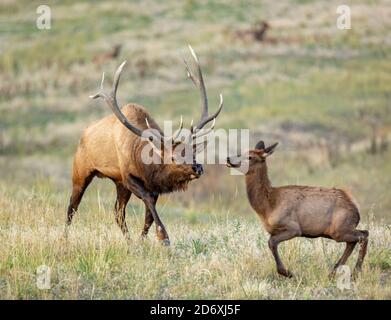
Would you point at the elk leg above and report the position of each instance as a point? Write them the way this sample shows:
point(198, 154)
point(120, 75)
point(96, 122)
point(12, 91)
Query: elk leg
point(273, 245)
point(363, 250)
point(134, 185)
point(355, 236)
point(346, 254)
point(123, 196)
point(148, 219)
point(79, 186)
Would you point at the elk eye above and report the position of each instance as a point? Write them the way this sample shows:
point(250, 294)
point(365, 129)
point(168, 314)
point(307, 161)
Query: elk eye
point(250, 158)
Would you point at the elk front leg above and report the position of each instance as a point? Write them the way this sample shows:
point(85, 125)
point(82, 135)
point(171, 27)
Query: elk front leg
point(148, 219)
point(137, 187)
point(273, 245)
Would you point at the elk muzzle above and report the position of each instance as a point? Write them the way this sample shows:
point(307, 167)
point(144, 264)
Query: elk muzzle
point(198, 169)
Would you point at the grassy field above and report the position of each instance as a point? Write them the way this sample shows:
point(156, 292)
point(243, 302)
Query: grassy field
point(213, 255)
point(322, 92)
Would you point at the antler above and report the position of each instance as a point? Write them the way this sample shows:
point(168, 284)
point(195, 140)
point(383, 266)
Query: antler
point(111, 100)
point(162, 138)
point(199, 82)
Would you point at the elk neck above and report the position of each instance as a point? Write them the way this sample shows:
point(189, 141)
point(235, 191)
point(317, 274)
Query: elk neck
point(162, 179)
point(259, 188)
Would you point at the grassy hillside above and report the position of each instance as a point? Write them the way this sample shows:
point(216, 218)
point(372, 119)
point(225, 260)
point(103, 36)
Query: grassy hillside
point(322, 92)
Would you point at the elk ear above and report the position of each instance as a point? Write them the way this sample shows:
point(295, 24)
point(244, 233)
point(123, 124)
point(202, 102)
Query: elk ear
point(260, 145)
point(269, 150)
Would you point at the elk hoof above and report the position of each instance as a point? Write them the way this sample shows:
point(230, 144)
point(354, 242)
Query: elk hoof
point(285, 273)
point(165, 242)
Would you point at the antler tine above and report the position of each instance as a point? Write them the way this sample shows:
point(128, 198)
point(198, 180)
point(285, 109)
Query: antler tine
point(111, 100)
point(117, 76)
point(179, 130)
point(190, 74)
point(154, 132)
point(100, 92)
point(103, 80)
point(147, 122)
point(213, 116)
point(201, 85)
point(203, 132)
point(162, 138)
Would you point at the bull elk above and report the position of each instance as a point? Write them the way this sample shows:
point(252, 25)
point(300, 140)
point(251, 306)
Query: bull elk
point(299, 211)
point(112, 148)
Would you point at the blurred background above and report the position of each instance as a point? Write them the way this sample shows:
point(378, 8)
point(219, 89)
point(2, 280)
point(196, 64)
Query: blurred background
point(286, 72)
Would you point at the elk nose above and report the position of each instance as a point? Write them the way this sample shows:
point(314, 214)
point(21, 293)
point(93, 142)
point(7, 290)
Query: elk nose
point(198, 169)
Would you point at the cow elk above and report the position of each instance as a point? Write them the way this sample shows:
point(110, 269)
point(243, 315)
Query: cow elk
point(112, 148)
point(299, 211)
point(257, 33)
point(107, 56)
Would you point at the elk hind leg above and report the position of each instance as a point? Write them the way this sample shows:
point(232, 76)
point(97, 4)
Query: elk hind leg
point(123, 196)
point(363, 250)
point(80, 184)
point(355, 236)
point(346, 254)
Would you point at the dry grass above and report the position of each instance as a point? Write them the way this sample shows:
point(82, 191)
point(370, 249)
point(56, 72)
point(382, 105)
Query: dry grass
point(218, 256)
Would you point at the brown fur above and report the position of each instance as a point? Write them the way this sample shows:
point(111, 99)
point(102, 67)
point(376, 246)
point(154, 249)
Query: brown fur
point(112, 148)
point(301, 211)
point(108, 149)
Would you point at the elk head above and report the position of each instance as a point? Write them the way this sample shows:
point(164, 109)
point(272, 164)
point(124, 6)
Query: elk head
point(252, 159)
point(178, 157)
